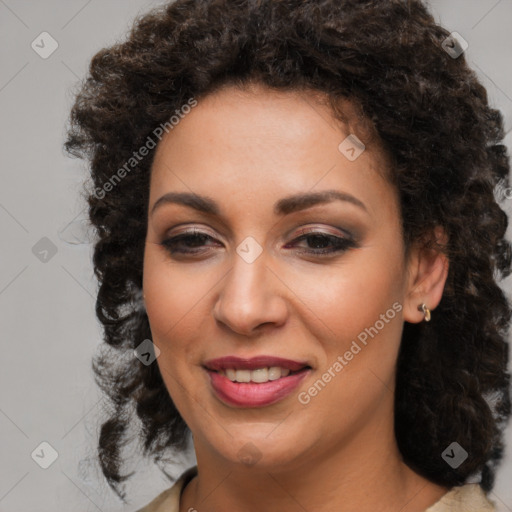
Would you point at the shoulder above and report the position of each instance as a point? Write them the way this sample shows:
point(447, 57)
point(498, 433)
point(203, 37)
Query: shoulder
point(463, 498)
point(169, 500)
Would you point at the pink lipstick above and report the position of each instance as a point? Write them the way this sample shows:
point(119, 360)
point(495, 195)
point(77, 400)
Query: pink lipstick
point(255, 382)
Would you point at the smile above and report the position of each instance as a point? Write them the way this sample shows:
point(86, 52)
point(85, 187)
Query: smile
point(255, 382)
point(259, 375)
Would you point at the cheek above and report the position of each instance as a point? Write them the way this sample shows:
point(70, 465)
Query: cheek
point(173, 306)
point(354, 308)
point(358, 322)
point(173, 301)
point(351, 295)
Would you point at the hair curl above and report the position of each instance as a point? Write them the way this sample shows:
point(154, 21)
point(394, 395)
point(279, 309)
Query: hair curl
point(445, 142)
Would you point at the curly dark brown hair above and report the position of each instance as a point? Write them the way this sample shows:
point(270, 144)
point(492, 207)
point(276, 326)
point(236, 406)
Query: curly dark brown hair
point(445, 143)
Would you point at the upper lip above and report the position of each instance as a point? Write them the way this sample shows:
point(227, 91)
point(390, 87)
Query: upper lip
point(263, 361)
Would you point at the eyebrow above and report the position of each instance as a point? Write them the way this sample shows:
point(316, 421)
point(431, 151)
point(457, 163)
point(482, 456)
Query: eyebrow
point(282, 207)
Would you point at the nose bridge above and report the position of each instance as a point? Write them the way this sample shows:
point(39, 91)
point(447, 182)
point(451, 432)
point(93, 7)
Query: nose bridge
point(249, 297)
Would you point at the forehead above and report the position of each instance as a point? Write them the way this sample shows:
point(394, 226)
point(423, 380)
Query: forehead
point(258, 112)
point(263, 140)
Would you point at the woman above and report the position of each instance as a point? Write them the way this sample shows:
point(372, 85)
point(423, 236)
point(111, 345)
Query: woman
point(298, 254)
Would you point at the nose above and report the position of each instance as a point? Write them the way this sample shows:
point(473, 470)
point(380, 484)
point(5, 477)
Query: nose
point(252, 298)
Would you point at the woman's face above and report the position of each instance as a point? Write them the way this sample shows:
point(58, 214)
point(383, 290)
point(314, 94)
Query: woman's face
point(249, 284)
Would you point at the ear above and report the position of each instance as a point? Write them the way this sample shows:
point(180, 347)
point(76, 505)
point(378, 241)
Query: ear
point(427, 270)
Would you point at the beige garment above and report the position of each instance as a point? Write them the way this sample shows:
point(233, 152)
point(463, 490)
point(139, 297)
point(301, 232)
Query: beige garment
point(464, 498)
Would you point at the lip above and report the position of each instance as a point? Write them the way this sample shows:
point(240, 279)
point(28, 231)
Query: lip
point(252, 394)
point(263, 361)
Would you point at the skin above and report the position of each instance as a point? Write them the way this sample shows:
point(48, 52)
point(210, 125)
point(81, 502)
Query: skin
point(246, 149)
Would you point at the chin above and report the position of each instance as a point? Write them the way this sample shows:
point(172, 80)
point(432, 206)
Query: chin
point(262, 451)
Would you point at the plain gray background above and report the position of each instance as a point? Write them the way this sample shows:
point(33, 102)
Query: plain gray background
point(49, 331)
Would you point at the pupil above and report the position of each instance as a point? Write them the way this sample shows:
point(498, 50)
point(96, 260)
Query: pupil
point(318, 241)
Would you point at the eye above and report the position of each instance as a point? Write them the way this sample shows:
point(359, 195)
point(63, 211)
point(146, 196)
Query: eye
point(321, 243)
point(189, 242)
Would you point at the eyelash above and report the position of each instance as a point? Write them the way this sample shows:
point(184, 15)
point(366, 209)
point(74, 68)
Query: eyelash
point(340, 244)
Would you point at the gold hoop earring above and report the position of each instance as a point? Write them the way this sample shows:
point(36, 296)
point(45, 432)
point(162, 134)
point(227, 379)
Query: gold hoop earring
point(426, 312)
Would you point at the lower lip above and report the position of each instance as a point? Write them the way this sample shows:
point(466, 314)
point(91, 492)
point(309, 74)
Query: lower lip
point(251, 394)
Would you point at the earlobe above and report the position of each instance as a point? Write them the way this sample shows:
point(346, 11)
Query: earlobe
point(426, 311)
point(427, 273)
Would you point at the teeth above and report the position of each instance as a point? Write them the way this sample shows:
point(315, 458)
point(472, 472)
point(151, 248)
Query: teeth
point(274, 373)
point(259, 375)
point(243, 375)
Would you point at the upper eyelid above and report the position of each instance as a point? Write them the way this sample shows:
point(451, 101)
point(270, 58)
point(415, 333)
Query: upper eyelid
point(298, 237)
point(315, 229)
point(302, 231)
